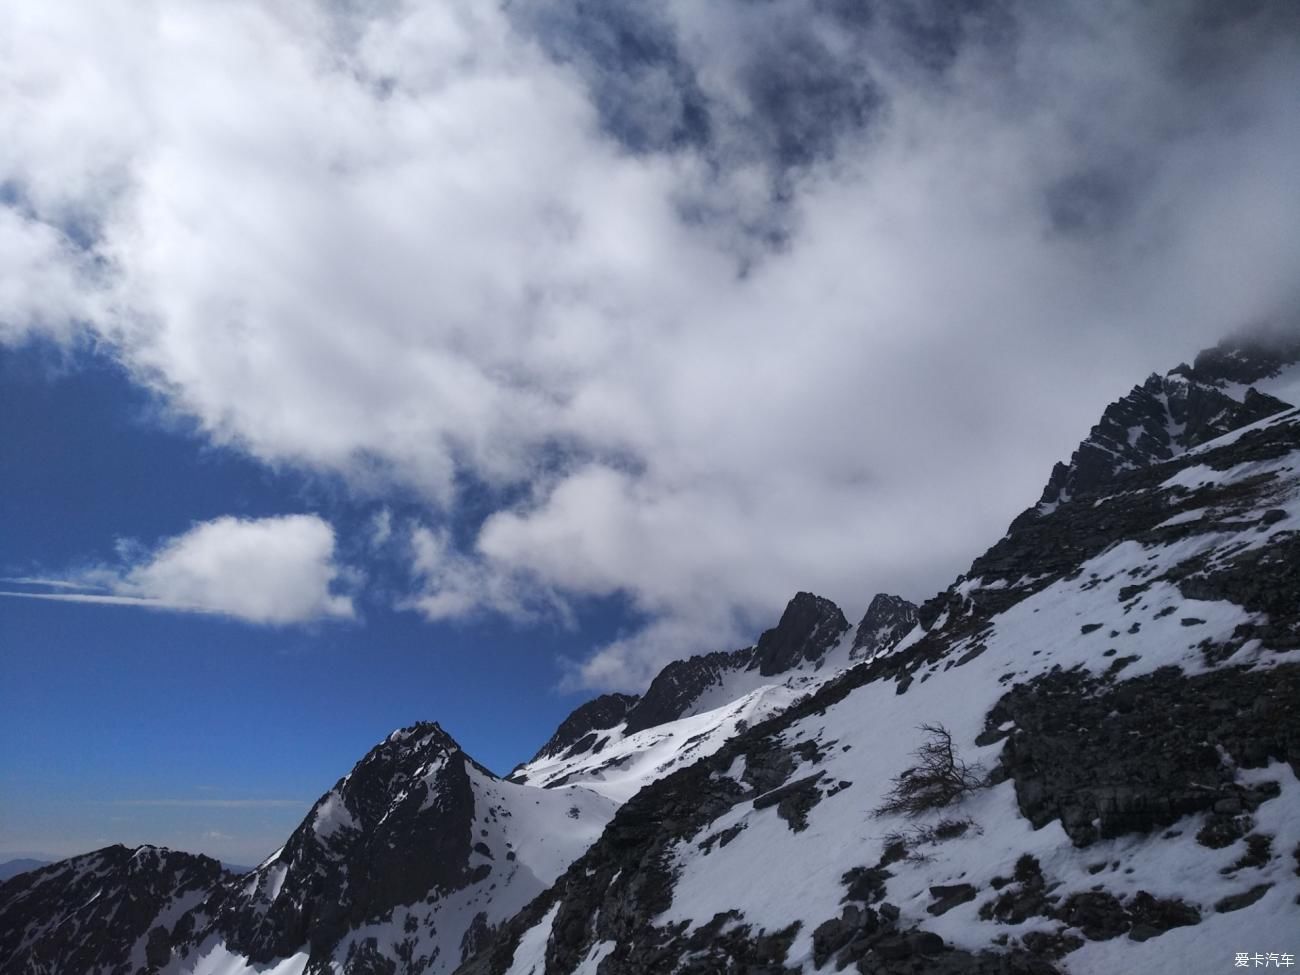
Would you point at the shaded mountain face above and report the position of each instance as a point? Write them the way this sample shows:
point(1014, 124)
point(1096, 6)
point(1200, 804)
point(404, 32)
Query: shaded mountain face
point(681, 684)
point(619, 765)
point(397, 828)
point(888, 619)
point(808, 628)
point(694, 705)
point(579, 728)
point(1108, 684)
point(410, 859)
point(1251, 358)
point(106, 911)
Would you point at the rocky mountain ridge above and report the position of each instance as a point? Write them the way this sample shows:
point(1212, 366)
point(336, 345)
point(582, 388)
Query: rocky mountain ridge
point(696, 704)
point(1111, 684)
point(887, 621)
point(99, 912)
point(1227, 387)
point(413, 857)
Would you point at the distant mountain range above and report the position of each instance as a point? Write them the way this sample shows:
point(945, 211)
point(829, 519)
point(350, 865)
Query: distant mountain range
point(1082, 756)
point(12, 868)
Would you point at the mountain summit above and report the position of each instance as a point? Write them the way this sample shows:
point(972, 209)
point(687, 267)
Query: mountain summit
point(1227, 387)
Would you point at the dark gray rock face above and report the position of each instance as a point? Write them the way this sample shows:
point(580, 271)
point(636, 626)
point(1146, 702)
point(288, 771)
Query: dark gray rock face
point(1134, 509)
point(1264, 581)
point(871, 940)
point(1096, 914)
point(89, 912)
point(888, 619)
point(680, 684)
point(1249, 357)
point(598, 714)
point(395, 830)
point(1235, 902)
point(947, 896)
point(1169, 414)
point(1087, 752)
point(808, 628)
point(1156, 421)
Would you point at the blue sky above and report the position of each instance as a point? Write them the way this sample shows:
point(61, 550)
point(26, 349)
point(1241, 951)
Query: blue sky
point(198, 731)
point(372, 362)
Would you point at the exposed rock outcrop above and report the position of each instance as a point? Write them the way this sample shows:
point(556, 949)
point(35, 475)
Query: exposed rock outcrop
point(888, 619)
point(680, 684)
point(1167, 415)
point(92, 912)
point(808, 628)
point(598, 714)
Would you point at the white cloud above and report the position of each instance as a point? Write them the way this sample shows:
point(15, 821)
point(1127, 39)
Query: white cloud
point(272, 571)
point(216, 803)
point(453, 585)
point(381, 528)
point(399, 245)
point(46, 286)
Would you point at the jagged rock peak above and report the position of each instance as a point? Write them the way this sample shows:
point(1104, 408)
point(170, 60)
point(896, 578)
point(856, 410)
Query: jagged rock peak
point(386, 772)
point(423, 730)
point(606, 711)
point(680, 684)
point(809, 627)
point(797, 645)
point(390, 832)
point(1167, 415)
point(1248, 357)
point(89, 912)
point(1156, 421)
point(888, 619)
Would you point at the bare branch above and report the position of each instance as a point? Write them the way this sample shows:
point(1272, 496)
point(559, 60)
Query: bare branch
point(939, 777)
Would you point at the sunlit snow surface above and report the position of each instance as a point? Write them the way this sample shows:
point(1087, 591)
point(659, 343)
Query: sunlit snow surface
point(775, 876)
point(212, 958)
point(740, 699)
point(530, 959)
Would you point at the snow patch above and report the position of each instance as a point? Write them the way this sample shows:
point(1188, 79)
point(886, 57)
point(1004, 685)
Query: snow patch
point(530, 956)
point(331, 816)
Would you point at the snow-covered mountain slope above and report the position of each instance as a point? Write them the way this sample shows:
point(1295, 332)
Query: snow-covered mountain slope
point(622, 764)
point(416, 855)
point(409, 860)
point(99, 912)
point(809, 629)
point(1080, 757)
point(1118, 680)
point(598, 714)
point(695, 705)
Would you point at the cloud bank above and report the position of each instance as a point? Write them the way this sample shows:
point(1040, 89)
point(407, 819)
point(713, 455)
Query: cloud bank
point(720, 301)
point(269, 571)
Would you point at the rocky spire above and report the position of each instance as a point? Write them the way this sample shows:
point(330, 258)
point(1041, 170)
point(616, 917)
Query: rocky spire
point(888, 619)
